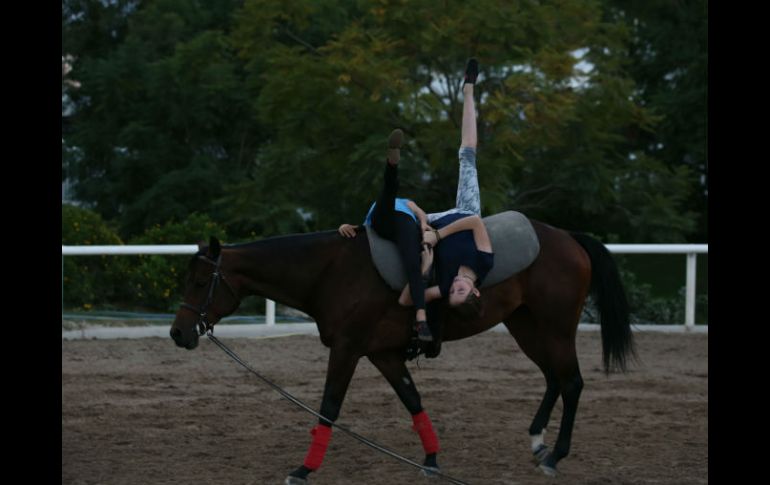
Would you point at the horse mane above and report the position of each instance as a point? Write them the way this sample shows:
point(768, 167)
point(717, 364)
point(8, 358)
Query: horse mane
point(286, 240)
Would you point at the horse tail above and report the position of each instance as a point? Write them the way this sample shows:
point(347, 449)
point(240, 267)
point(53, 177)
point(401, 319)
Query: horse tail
point(610, 296)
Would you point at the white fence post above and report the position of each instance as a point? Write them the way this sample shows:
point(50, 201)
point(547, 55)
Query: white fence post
point(269, 312)
point(689, 310)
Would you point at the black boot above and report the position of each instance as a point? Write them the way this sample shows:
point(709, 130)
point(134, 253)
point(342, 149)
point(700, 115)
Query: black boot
point(394, 146)
point(471, 71)
point(423, 331)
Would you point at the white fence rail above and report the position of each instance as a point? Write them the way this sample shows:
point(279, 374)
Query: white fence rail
point(691, 250)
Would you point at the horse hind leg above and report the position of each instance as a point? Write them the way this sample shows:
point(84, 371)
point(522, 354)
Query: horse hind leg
point(540, 422)
point(393, 368)
point(557, 359)
point(569, 384)
point(342, 366)
point(522, 327)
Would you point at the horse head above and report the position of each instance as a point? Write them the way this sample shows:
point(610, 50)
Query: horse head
point(208, 296)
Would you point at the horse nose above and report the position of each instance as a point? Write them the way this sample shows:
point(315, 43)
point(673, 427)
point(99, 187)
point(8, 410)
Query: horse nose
point(176, 334)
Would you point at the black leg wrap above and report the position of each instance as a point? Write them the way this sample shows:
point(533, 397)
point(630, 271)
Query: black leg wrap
point(301, 472)
point(430, 462)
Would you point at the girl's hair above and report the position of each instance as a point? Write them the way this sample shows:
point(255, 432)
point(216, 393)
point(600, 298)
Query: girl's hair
point(470, 309)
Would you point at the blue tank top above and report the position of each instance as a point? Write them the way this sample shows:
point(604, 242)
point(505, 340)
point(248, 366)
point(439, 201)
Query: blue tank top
point(458, 249)
point(400, 206)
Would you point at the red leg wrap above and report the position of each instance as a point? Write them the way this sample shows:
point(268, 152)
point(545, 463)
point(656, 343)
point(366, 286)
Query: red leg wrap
point(315, 455)
point(424, 428)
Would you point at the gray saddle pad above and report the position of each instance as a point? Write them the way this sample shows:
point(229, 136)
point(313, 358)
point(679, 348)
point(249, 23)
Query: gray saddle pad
point(514, 243)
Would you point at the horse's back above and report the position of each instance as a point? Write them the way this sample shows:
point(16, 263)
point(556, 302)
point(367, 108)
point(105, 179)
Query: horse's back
point(558, 247)
point(559, 279)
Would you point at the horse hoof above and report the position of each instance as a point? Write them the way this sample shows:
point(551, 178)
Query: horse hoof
point(548, 470)
point(290, 480)
point(429, 471)
point(545, 461)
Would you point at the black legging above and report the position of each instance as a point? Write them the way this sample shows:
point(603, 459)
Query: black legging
point(401, 229)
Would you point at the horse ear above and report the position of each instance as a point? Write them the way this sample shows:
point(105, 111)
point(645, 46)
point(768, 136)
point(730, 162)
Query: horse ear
point(214, 247)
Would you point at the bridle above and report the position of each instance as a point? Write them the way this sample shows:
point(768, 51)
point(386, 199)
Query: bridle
point(216, 276)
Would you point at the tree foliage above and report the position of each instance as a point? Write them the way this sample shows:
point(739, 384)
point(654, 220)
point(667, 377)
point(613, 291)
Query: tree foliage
point(271, 117)
point(89, 279)
point(158, 280)
point(668, 47)
point(162, 121)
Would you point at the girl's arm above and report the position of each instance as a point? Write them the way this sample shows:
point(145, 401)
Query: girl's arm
point(421, 216)
point(470, 223)
point(432, 293)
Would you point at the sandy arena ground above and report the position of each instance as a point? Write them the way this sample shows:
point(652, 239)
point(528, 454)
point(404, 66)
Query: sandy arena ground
point(146, 412)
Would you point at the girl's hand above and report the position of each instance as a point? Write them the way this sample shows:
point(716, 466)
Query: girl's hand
point(430, 238)
point(347, 230)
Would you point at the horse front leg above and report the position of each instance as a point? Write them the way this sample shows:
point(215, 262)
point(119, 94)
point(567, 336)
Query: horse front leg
point(393, 368)
point(342, 365)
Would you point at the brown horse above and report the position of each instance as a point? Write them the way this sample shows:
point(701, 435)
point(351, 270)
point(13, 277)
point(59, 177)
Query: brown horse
point(332, 279)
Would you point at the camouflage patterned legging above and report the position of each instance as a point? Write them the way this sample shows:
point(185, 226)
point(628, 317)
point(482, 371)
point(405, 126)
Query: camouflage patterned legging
point(468, 197)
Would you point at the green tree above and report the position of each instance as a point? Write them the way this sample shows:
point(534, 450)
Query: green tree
point(271, 116)
point(94, 27)
point(157, 281)
point(90, 280)
point(668, 48)
point(554, 146)
point(162, 120)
